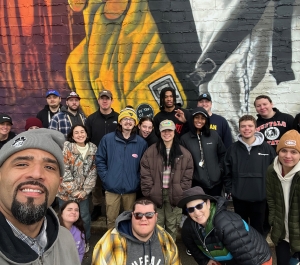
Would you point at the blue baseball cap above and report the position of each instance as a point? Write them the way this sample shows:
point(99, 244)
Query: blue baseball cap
point(52, 92)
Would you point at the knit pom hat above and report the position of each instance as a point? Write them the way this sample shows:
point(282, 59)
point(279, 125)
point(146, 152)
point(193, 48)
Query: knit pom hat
point(129, 113)
point(32, 121)
point(291, 139)
point(48, 140)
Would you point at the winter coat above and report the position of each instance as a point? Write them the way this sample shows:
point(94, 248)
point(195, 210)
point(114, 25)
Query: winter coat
point(245, 171)
point(62, 123)
point(10, 136)
point(214, 151)
point(80, 172)
point(112, 248)
point(227, 236)
point(98, 124)
point(45, 115)
point(277, 210)
point(61, 248)
point(152, 167)
point(118, 163)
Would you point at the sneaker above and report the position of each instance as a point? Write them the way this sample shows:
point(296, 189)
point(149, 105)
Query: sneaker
point(188, 252)
point(87, 247)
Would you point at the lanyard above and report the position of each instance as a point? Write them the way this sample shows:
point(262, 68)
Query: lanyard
point(201, 163)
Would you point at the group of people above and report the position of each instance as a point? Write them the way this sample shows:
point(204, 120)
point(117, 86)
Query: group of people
point(154, 169)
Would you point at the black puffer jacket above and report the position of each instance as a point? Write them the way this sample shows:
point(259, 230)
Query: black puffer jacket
point(245, 244)
point(214, 151)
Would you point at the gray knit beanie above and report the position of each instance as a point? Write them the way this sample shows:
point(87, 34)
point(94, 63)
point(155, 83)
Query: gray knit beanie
point(48, 140)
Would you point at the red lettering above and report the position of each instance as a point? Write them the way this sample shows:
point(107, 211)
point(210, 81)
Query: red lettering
point(178, 127)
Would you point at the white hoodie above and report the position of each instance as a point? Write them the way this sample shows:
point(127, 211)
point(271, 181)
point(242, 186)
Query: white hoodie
point(286, 182)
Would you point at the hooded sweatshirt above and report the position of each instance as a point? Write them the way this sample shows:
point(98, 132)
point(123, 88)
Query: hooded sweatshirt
point(274, 127)
point(139, 251)
point(286, 182)
point(246, 166)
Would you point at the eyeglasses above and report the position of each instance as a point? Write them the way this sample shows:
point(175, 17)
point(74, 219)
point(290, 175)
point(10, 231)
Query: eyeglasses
point(198, 207)
point(128, 119)
point(139, 216)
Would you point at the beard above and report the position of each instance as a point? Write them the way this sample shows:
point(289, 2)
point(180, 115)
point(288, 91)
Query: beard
point(28, 213)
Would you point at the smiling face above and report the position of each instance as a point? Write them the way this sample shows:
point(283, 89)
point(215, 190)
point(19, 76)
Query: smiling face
point(127, 124)
point(143, 228)
point(29, 180)
point(247, 129)
point(206, 104)
point(167, 136)
point(288, 157)
point(200, 216)
point(169, 100)
point(199, 121)
point(79, 135)
point(70, 214)
point(145, 128)
point(5, 128)
point(264, 107)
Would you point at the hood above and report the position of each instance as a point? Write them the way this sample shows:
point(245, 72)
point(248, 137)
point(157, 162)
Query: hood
point(124, 227)
point(278, 169)
point(191, 121)
point(259, 139)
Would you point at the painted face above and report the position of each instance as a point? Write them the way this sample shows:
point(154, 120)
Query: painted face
point(247, 129)
point(5, 128)
point(204, 103)
point(167, 135)
point(288, 157)
point(53, 101)
point(264, 107)
point(127, 123)
point(169, 100)
point(143, 228)
point(79, 135)
point(200, 216)
point(145, 128)
point(199, 121)
point(104, 103)
point(71, 213)
point(29, 181)
point(73, 104)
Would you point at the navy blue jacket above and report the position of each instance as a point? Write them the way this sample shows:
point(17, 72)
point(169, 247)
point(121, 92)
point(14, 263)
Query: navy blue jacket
point(118, 163)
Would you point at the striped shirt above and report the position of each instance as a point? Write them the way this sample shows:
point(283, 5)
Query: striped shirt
point(167, 172)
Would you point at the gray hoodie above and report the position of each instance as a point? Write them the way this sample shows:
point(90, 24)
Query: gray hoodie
point(139, 252)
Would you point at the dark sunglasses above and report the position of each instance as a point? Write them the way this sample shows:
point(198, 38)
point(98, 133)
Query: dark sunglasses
point(198, 207)
point(139, 216)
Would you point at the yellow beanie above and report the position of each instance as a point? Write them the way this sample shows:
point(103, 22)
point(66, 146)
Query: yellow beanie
point(130, 113)
point(291, 139)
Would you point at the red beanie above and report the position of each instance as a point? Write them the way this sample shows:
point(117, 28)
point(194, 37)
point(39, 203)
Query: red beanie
point(33, 122)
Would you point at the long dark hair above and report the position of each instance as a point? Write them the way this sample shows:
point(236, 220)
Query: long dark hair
point(70, 134)
point(78, 223)
point(162, 96)
point(145, 118)
point(174, 151)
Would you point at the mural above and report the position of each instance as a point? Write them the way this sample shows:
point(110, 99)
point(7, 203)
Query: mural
point(234, 49)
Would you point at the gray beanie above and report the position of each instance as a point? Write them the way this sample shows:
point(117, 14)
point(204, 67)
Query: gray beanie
point(48, 140)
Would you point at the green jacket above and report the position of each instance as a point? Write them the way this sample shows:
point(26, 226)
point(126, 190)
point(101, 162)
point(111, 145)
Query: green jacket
point(277, 210)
